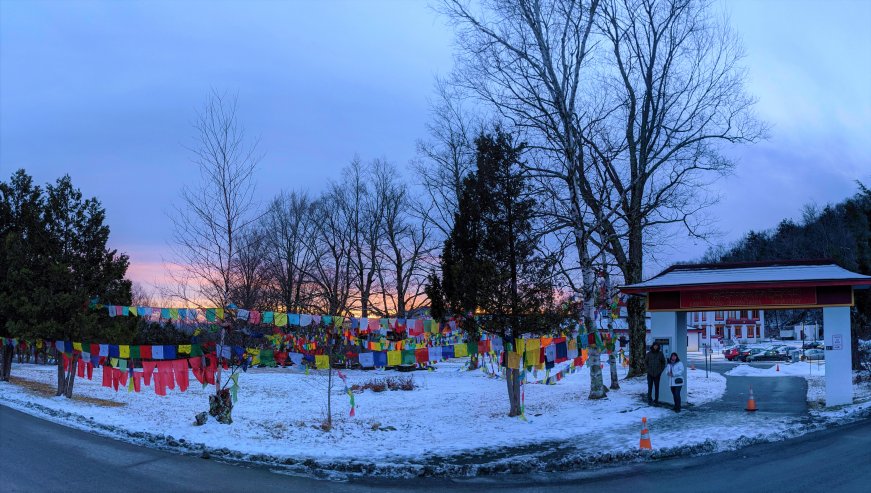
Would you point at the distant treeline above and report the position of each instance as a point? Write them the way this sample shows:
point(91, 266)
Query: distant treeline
point(841, 232)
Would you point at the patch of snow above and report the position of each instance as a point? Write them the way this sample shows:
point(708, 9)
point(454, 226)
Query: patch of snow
point(812, 369)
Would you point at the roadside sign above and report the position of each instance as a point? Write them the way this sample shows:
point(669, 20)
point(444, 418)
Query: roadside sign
point(837, 342)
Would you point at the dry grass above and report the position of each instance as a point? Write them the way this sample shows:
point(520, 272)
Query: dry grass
point(389, 383)
point(46, 390)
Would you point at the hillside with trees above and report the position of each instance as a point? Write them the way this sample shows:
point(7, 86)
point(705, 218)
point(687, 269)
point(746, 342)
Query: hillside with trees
point(841, 232)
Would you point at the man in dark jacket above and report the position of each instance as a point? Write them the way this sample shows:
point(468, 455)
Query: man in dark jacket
point(654, 360)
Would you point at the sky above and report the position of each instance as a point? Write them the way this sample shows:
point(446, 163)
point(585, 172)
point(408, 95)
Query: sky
point(107, 92)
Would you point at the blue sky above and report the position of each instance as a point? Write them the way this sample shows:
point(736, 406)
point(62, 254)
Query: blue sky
point(106, 91)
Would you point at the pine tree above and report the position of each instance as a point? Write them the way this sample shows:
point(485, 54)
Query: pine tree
point(490, 263)
point(54, 260)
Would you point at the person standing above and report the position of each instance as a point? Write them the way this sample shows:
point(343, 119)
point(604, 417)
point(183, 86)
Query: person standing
point(676, 378)
point(654, 361)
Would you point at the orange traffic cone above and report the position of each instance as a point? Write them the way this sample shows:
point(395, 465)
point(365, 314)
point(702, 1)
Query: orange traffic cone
point(778, 367)
point(644, 443)
point(751, 402)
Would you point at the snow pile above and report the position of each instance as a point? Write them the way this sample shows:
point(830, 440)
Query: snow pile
point(810, 369)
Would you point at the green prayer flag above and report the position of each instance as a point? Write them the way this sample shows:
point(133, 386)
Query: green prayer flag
point(134, 352)
point(196, 350)
point(408, 357)
point(210, 314)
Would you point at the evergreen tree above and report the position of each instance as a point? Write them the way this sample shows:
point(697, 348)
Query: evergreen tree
point(53, 261)
point(490, 263)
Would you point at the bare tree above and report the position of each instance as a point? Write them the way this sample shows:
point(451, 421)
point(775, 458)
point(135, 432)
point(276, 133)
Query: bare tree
point(140, 296)
point(631, 100)
point(679, 97)
point(289, 227)
point(363, 208)
point(214, 211)
point(330, 244)
point(250, 277)
point(406, 244)
point(446, 157)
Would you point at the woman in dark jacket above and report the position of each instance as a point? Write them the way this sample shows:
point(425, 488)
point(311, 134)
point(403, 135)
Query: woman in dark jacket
point(654, 361)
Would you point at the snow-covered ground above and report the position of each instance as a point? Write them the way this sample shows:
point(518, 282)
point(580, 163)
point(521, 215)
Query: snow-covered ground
point(451, 417)
point(451, 411)
point(809, 369)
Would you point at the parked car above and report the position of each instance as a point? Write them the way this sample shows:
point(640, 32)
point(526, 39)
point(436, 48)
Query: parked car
point(745, 356)
point(733, 353)
point(813, 345)
point(770, 355)
point(814, 354)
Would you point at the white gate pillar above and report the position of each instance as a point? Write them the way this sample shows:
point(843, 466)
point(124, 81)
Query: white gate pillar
point(839, 355)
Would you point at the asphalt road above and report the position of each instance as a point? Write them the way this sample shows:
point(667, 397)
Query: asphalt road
point(40, 456)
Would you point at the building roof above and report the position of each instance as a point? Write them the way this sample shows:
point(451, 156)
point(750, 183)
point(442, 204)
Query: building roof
point(751, 275)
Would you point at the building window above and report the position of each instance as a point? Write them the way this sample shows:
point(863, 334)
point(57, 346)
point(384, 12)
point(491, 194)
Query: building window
point(744, 314)
point(758, 332)
point(718, 315)
point(704, 316)
point(696, 317)
point(756, 314)
point(738, 331)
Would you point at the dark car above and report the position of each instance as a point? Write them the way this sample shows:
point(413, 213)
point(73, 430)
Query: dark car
point(748, 353)
point(770, 355)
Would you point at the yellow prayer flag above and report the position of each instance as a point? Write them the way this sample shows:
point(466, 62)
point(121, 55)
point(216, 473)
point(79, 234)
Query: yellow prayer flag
point(461, 350)
point(519, 345)
point(532, 357)
point(184, 348)
point(133, 310)
point(394, 358)
point(124, 351)
point(281, 319)
point(533, 344)
point(255, 356)
point(322, 361)
point(219, 313)
point(173, 313)
point(77, 346)
point(513, 360)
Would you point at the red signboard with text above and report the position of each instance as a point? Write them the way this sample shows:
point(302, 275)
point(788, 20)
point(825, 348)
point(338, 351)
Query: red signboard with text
point(748, 298)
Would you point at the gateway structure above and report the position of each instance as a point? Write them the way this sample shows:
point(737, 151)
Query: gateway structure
point(757, 286)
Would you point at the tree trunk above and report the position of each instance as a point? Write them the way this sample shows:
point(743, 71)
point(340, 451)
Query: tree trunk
point(61, 375)
point(612, 362)
point(637, 336)
point(512, 379)
point(636, 307)
point(329, 421)
point(597, 384)
point(6, 368)
point(71, 376)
